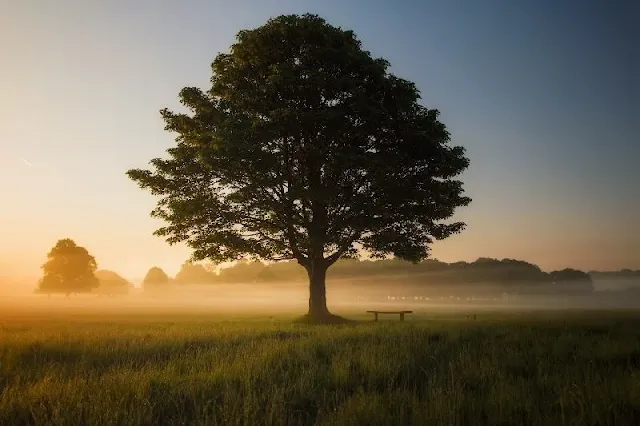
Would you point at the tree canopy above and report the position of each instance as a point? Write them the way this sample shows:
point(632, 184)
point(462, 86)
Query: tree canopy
point(155, 277)
point(69, 269)
point(194, 273)
point(306, 148)
point(110, 283)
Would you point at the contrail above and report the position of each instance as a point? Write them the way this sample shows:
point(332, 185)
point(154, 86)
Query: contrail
point(26, 162)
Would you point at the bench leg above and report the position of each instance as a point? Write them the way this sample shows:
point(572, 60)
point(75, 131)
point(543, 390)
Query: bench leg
point(376, 315)
point(401, 317)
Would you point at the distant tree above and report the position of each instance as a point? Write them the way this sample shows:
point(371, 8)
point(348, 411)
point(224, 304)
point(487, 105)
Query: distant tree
point(432, 265)
point(155, 278)
point(621, 274)
point(69, 269)
point(288, 270)
point(306, 148)
point(110, 283)
point(194, 273)
point(494, 271)
point(572, 280)
point(568, 274)
point(242, 272)
point(267, 275)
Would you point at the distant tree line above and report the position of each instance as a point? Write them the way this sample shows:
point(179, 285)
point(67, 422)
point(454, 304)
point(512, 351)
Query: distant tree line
point(71, 269)
point(621, 274)
point(507, 272)
point(111, 284)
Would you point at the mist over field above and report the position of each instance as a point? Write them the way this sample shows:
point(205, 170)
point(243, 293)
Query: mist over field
point(497, 340)
point(354, 294)
point(350, 213)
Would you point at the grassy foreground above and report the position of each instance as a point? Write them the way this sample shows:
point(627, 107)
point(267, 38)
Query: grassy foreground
point(533, 369)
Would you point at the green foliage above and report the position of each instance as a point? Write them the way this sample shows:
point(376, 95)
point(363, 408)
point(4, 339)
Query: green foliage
point(155, 278)
point(502, 369)
point(305, 147)
point(69, 269)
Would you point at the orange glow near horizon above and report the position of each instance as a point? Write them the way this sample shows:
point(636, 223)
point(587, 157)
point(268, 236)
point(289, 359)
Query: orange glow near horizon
point(82, 85)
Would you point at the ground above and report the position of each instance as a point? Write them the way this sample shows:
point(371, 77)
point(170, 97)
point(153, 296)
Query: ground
point(440, 368)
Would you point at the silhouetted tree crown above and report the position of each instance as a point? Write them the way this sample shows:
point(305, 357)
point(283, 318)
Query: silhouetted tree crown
point(569, 275)
point(195, 273)
point(155, 277)
point(69, 269)
point(306, 148)
point(111, 283)
point(507, 272)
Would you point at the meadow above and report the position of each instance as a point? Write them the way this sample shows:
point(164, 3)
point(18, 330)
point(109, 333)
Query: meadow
point(436, 368)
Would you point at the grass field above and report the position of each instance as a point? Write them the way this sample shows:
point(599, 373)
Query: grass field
point(434, 369)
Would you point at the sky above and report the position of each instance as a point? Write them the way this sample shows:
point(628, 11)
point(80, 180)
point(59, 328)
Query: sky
point(544, 95)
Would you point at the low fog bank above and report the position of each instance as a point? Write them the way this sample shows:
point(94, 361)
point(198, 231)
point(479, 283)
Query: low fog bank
point(343, 295)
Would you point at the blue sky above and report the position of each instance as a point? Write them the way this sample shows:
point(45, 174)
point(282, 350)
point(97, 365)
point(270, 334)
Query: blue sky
point(545, 95)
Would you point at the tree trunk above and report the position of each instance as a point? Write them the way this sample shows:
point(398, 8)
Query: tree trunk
point(317, 291)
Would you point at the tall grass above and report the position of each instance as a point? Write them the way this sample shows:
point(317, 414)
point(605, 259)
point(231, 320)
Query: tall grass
point(444, 370)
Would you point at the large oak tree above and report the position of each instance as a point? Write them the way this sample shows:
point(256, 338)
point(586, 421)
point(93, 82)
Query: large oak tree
point(69, 269)
point(305, 147)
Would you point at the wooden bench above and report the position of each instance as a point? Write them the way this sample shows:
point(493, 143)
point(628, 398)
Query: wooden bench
point(401, 313)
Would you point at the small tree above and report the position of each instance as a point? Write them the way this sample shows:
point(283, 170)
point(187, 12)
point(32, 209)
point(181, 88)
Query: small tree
point(305, 148)
point(69, 269)
point(111, 283)
point(194, 273)
point(572, 280)
point(155, 278)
